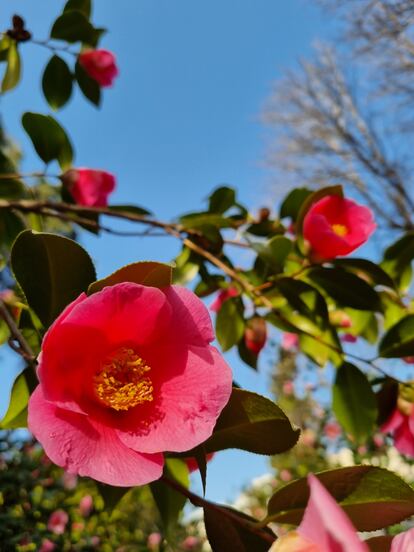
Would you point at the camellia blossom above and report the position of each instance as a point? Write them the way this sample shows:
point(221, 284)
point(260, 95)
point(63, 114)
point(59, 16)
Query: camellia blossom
point(336, 226)
point(86, 505)
point(47, 546)
point(255, 334)
point(89, 187)
point(125, 375)
point(57, 522)
point(100, 65)
point(401, 426)
point(222, 296)
point(290, 341)
point(325, 527)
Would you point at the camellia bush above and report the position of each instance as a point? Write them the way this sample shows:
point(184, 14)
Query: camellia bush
point(122, 385)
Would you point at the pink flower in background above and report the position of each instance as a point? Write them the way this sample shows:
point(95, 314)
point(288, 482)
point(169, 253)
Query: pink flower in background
point(332, 430)
point(290, 341)
point(86, 505)
point(401, 426)
point(95, 541)
point(192, 462)
point(336, 226)
point(100, 65)
point(128, 399)
point(408, 360)
point(70, 480)
point(89, 187)
point(57, 522)
point(47, 546)
point(154, 540)
point(222, 296)
point(190, 543)
point(288, 388)
point(349, 338)
point(255, 334)
point(285, 475)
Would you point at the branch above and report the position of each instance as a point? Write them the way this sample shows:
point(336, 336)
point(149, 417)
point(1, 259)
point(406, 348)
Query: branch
point(23, 348)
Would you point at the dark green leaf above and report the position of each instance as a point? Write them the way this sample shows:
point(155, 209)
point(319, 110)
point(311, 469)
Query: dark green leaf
point(247, 355)
point(11, 224)
point(399, 340)
point(195, 220)
point(274, 251)
point(230, 323)
point(51, 270)
point(89, 87)
point(73, 26)
point(12, 75)
point(253, 423)
point(304, 299)
point(354, 403)
point(224, 533)
point(372, 497)
point(57, 82)
point(111, 495)
point(132, 209)
point(170, 502)
point(397, 259)
point(293, 202)
point(222, 199)
point(83, 6)
point(11, 188)
point(16, 415)
point(375, 274)
point(346, 288)
point(186, 267)
point(146, 273)
point(49, 138)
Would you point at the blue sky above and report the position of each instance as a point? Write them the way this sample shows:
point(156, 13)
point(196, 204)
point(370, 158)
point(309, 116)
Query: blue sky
point(181, 119)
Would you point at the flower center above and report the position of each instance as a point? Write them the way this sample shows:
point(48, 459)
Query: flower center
point(340, 229)
point(121, 383)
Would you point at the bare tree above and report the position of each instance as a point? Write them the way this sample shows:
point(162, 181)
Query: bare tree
point(349, 126)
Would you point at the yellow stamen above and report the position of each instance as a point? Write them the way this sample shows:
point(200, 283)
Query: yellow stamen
point(121, 383)
point(340, 229)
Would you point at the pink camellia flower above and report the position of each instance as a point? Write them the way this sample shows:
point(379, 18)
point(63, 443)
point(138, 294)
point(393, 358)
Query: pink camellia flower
point(349, 338)
point(288, 387)
point(100, 65)
point(255, 334)
point(192, 462)
point(325, 527)
point(190, 543)
point(154, 541)
point(86, 505)
point(222, 296)
point(125, 375)
point(336, 226)
point(332, 430)
point(47, 546)
point(408, 360)
point(57, 522)
point(401, 426)
point(290, 341)
point(89, 187)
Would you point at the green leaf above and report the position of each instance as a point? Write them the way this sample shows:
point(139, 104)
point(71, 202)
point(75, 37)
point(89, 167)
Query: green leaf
point(186, 267)
point(111, 495)
point(293, 202)
point(345, 288)
point(51, 270)
point(253, 423)
point(315, 348)
point(89, 87)
point(12, 75)
point(230, 323)
point(247, 355)
point(354, 403)
point(313, 198)
point(146, 273)
point(372, 497)
point(49, 139)
point(11, 224)
point(57, 82)
point(170, 502)
point(83, 6)
point(225, 534)
point(274, 252)
point(399, 340)
point(11, 188)
point(222, 199)
point(73, 26)
point(375, 274)
point(16, 415)
point(195, 220)
point(304, 299)
point(132, 209)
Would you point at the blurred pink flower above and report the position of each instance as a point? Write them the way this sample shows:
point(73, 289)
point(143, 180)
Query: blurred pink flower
point(47, 546)
point(349, 338)
point(57, 522)
point(290, 341)
point(95, 541)
point(69, 480)
point(86, 505)
point(288, 388)
point(100, 65)
point(222, 296)
point(409, 359)
point(378, 440)
point(154, 540)
point(285, 475)
point(332, 430)
point(401, 426)
point(190, 543)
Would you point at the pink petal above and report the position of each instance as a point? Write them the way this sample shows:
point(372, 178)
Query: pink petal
point(191, 314)
point(81, 446)
point(404, 542)
point(393, 422)
point(326, 524)
point(188, 405)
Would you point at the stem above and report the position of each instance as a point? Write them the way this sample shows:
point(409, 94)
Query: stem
point(23, 348)
point(53, 48)
point(198, 501)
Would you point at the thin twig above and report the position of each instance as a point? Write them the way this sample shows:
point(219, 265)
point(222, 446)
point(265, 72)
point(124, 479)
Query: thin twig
point(23, 348)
